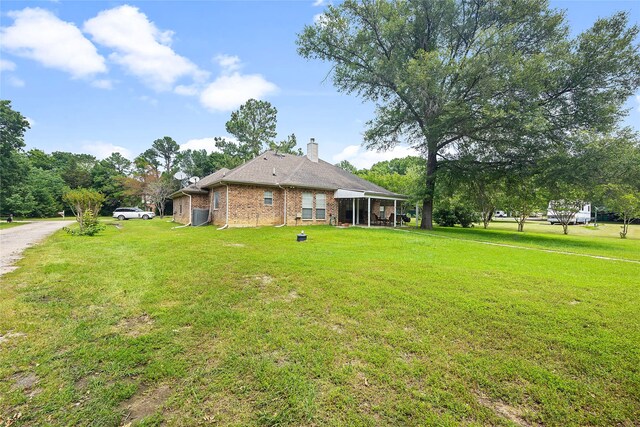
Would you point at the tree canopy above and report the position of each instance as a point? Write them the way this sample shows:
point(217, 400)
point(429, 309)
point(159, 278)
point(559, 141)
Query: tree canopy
point(497, 82)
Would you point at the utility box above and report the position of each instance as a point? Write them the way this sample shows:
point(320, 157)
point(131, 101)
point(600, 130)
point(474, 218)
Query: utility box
point(199, 217)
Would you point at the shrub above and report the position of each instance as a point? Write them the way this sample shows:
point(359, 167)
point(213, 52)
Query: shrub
point(89, 226)
point(444, 216)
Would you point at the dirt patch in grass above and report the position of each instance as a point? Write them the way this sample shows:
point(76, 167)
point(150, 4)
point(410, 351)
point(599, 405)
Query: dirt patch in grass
point(574, 302)
point(144, 403)
point(24, 381)
point(234, 245)
point(11, 335)
point(135, 326)
point(504, 410)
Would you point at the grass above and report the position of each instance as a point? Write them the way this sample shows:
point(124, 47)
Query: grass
point(193, 326)
point(4, 225)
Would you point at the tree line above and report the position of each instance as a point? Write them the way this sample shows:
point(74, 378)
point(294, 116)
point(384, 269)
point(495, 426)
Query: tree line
point(33, 183)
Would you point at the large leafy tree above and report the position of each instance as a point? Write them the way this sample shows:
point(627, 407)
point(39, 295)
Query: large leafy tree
point(167, 150)
point(254, 126)
point(475, 76)
point(13, 168)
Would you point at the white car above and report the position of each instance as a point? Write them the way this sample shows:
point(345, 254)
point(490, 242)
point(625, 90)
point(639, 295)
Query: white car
point(500, 214)
point(129, 213)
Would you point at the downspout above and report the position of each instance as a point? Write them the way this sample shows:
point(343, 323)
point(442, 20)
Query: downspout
point(189, 223)
point(285, 207)
point(226, 224)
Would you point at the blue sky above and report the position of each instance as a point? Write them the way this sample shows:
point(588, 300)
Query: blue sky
point(97, 77)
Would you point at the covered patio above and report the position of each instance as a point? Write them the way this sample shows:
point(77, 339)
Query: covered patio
point(369, 208)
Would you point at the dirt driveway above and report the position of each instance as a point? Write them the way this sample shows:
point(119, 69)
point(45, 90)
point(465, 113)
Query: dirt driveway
point(14, 240)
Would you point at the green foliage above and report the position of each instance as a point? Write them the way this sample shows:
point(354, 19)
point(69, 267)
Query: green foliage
point(254, 126)
point(13, 169)
point(167, 150)
point(89, 226)
point(499, 82)
point(347, 166)
point(624, 200)
point(287, 146)
point(452, 212)
point(85, 204)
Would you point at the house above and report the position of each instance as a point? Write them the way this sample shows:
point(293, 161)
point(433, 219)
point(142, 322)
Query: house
point(284, 189)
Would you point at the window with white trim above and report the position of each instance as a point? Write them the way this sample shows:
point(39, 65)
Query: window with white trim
point(321, 206)
point(216, 200)
point(268, 198)
point(307, 205)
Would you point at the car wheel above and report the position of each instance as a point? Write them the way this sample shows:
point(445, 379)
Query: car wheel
point(121, 217)
point(145, 216)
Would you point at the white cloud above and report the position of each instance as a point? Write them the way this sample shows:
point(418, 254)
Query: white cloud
point(102, 84)
point(200, 144)
point(228, 63)
point(7, 65)
point(102, 150)
point(319, 2)
point(361, 158)
point(141, 48)
point(39, 35)
point(15, 81)
point(230, 91)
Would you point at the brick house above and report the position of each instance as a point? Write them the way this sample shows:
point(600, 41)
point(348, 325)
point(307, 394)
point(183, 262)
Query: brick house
point(284, 189)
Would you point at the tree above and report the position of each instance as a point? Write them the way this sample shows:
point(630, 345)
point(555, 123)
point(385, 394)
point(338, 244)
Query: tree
point(523, 197)
point(85, 205)
point(623, 200)
point(167, 150)
point(13, 167)
point(254, 126)
point(347, 166)
point(159, 191)
point(565, 210)
point(287, 146)
point(118, 162)
point(475, 76)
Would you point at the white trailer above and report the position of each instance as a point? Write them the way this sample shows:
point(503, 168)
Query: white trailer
point(583, 216)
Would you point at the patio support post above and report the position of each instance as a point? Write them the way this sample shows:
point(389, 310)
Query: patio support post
point(395, 213)
point(368, 211)
point(353, 211)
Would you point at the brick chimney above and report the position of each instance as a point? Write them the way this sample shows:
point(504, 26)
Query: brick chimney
point(312, 150)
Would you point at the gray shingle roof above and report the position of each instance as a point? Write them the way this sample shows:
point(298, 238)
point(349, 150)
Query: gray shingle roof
point(274, 169)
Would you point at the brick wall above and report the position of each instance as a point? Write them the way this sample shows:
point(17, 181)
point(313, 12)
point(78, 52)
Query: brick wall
point(181, 206)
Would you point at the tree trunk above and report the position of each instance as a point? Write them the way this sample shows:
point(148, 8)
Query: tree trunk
point(565, 228)
point(430, 184)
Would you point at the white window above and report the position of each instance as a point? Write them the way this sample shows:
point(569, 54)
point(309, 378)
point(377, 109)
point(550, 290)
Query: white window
point(268, 198)
point(216, 200)
point(321, 206)
point(307, 205)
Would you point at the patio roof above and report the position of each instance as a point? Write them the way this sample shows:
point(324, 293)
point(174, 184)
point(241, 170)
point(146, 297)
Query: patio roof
point(360, 194)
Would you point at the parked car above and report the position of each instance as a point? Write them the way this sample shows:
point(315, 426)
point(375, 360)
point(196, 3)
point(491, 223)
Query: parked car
point(129, 213)
point(500, 214)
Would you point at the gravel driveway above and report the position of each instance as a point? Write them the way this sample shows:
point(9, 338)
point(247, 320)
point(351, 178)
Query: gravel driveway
point(14, 240)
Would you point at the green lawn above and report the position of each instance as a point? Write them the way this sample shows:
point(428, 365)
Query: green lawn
point(194, 326)
point(5, 224)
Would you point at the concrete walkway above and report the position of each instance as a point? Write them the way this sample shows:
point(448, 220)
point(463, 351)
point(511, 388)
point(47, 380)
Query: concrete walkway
point(14, 240)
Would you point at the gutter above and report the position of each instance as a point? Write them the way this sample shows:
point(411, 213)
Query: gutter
point(226, 224)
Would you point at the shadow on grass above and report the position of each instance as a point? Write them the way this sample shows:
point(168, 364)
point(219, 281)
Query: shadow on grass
point(549, 241)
